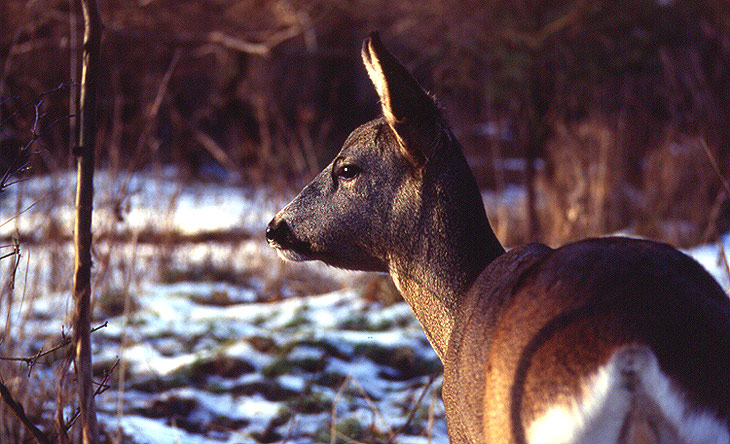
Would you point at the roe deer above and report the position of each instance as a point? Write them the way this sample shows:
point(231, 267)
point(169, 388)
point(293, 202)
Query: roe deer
point(609, 340)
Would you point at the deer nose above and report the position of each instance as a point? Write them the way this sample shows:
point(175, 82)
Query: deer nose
point(278, 231)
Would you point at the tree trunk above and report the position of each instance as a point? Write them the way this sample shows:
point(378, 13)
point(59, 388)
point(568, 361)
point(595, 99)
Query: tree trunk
point(82, 230)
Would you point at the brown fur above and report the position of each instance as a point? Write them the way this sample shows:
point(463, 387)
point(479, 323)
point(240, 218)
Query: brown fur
point(519, 332)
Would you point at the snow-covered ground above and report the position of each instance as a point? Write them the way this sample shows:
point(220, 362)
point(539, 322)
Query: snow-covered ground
point(218, 340)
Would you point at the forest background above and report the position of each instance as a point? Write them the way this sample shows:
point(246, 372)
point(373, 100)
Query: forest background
point(582, 117)
point(624, 104)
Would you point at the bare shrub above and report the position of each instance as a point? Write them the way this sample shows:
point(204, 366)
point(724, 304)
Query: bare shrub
point(683, 192)
point(585, 193)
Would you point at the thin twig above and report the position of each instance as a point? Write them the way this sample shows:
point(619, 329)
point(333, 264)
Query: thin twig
point(31, 360)
point(125, 326)
point(347, 439)
point(431, 415)
point(211, 146)
point(19, 412)
point(725, 263)
point(21, 161)
point(16, 216)
point(412, 414)
point(151, 116)
point(333, 424)
point(713, 161)
point(101, 387)
point(12, 253)
point(34, 100)
point(290, 433)
point(374, 409)
point(61, 403)
point(10, 286)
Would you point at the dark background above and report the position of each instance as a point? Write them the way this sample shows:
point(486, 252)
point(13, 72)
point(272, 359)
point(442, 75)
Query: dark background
point(624, 104)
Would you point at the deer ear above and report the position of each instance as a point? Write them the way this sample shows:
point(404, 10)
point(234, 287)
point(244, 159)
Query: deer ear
point(409, 110)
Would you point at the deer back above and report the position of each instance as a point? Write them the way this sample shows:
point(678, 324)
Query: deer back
point(608, 340)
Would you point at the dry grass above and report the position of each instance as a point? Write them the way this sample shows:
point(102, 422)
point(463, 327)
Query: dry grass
point(271, 88)
point(584, 189)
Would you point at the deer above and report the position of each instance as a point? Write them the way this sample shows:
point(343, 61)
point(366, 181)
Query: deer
point(605, 340)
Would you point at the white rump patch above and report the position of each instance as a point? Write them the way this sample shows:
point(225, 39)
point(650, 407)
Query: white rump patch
point(628, 400)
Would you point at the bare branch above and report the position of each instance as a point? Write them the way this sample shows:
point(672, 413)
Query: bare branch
point(715, 166)
point(19, 160)
point(412, 414)
point(30, 361)
point(19, 412)
point(263, 49)
point(154, 109)
point(33, 101)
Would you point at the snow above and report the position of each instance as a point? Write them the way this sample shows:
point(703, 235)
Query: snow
point(148, 201)
point(714, 258)
point(152, 430)
point(226, 361)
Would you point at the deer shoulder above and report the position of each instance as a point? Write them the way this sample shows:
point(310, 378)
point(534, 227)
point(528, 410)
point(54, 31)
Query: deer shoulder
point(608, 340)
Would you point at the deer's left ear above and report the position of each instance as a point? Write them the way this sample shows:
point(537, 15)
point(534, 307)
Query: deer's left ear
point(409, 110)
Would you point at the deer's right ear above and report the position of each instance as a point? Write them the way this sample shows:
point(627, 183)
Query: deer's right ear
point(409, 110)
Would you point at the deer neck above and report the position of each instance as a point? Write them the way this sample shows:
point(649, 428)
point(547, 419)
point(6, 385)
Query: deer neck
point(435, 268)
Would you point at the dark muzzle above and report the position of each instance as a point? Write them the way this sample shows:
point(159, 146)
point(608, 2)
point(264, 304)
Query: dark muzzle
point(279, 233)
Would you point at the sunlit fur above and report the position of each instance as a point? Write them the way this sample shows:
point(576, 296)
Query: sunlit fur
point(593, 342)
point(628, 400)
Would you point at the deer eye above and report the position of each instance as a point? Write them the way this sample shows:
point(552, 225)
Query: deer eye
point(349, 171)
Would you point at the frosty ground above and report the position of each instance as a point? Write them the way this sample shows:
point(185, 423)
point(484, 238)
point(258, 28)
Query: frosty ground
point(210, 336)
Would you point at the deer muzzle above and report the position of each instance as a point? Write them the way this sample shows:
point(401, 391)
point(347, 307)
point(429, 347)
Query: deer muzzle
point(280, 236)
